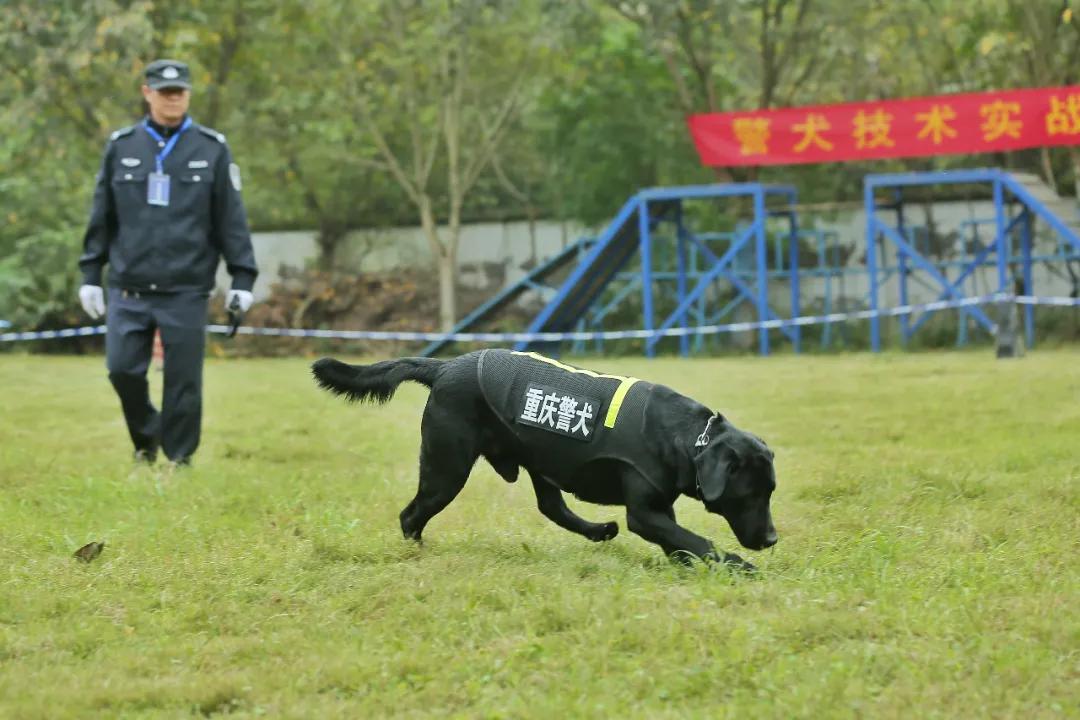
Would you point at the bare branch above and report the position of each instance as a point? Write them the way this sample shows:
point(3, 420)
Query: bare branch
point(310, 198)
point(493, 135)
point(803, 77)
point(790, 49)
point(515, 192)
point(392, 163)
point(701, 66)
point(229, 46)
point(685, 98)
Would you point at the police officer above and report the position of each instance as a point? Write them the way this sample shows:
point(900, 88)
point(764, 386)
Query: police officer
point(166, 208)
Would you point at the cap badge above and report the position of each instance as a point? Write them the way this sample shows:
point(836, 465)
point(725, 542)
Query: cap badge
point(170, 73)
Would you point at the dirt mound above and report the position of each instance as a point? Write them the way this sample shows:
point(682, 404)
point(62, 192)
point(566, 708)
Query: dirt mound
point(398, 300)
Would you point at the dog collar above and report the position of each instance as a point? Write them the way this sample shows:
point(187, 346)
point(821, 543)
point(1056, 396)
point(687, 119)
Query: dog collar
point(703, 441)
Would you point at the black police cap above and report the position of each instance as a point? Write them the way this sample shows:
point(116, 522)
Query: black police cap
point(168, 74)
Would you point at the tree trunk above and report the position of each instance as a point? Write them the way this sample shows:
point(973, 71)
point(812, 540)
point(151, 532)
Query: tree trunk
point(328, 240)
point(531, 212)
point(1048, 168)
point(446, 258)
point(447, 289)
point(1074, 153)
point(448, 272)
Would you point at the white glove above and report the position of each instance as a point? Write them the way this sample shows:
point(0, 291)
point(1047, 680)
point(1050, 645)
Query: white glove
point(245, 298)
point(92, 298)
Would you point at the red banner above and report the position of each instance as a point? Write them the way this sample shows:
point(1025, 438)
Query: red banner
point(939, 125)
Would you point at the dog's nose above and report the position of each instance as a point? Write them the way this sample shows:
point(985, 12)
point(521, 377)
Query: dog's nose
point(770, 539)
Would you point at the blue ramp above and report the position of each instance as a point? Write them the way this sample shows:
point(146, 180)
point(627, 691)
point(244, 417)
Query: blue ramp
point(615, 246)
point(510, 294)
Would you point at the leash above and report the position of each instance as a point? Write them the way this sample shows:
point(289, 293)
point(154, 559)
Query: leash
point(703, 438)
point(235, 317)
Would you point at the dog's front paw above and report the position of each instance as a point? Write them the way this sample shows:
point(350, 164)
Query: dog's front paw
point(603, 532)
point(733, 562)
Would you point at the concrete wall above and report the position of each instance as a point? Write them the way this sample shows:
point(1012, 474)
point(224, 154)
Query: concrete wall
point(494, 254)
point(490, 254)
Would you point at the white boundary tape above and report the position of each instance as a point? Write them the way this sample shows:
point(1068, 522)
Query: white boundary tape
point(595, 335)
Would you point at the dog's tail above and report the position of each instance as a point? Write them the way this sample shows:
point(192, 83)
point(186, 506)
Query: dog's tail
point(374, 383)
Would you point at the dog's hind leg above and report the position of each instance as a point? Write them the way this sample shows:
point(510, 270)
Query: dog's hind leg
point(448, 450)
point(552, 505)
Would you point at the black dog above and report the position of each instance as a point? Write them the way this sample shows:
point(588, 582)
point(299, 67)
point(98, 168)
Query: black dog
point(607, 439)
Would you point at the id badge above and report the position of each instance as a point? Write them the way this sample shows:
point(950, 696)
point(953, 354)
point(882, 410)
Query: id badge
point(157, 189)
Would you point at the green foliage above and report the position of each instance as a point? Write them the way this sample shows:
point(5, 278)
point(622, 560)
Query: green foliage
point(69, 76)
point(608, 125)
point(39, 281)
point(927, 565)
point(607, 88)
point(382, 112)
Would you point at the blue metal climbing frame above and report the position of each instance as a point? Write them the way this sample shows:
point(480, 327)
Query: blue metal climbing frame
point(1009, 195)
point(535, 280)
point(650, 262)
point(634, 232)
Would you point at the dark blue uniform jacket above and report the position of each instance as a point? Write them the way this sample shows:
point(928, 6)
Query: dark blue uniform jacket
point(175, 248)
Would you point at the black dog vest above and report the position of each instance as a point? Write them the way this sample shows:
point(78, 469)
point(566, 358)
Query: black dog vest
point(566, 416)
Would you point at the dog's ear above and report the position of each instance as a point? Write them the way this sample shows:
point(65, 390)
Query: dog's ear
point(714, 465)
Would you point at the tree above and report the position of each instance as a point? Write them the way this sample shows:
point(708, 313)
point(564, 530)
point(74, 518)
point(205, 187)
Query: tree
point(608, 122)
point(60, 94)
point(436, 88)
point(315, 165)
point(1033, 43)
point(724, 55)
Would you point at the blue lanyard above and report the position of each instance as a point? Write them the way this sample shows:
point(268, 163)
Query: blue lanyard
point(160, 158)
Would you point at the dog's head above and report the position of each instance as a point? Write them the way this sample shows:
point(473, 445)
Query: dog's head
point(736, 480)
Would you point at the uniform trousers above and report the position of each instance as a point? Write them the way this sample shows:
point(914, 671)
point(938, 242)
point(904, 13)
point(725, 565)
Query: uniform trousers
point(131, 319)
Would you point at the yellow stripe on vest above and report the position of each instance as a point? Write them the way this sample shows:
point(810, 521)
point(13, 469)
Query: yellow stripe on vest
point(616, 399)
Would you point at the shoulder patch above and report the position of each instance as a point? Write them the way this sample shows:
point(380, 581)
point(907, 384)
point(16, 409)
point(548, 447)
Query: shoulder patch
point(212, 133)
point(122, 132)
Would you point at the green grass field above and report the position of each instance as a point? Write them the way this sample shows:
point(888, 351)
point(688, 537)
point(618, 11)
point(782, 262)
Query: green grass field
point(927, 565)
